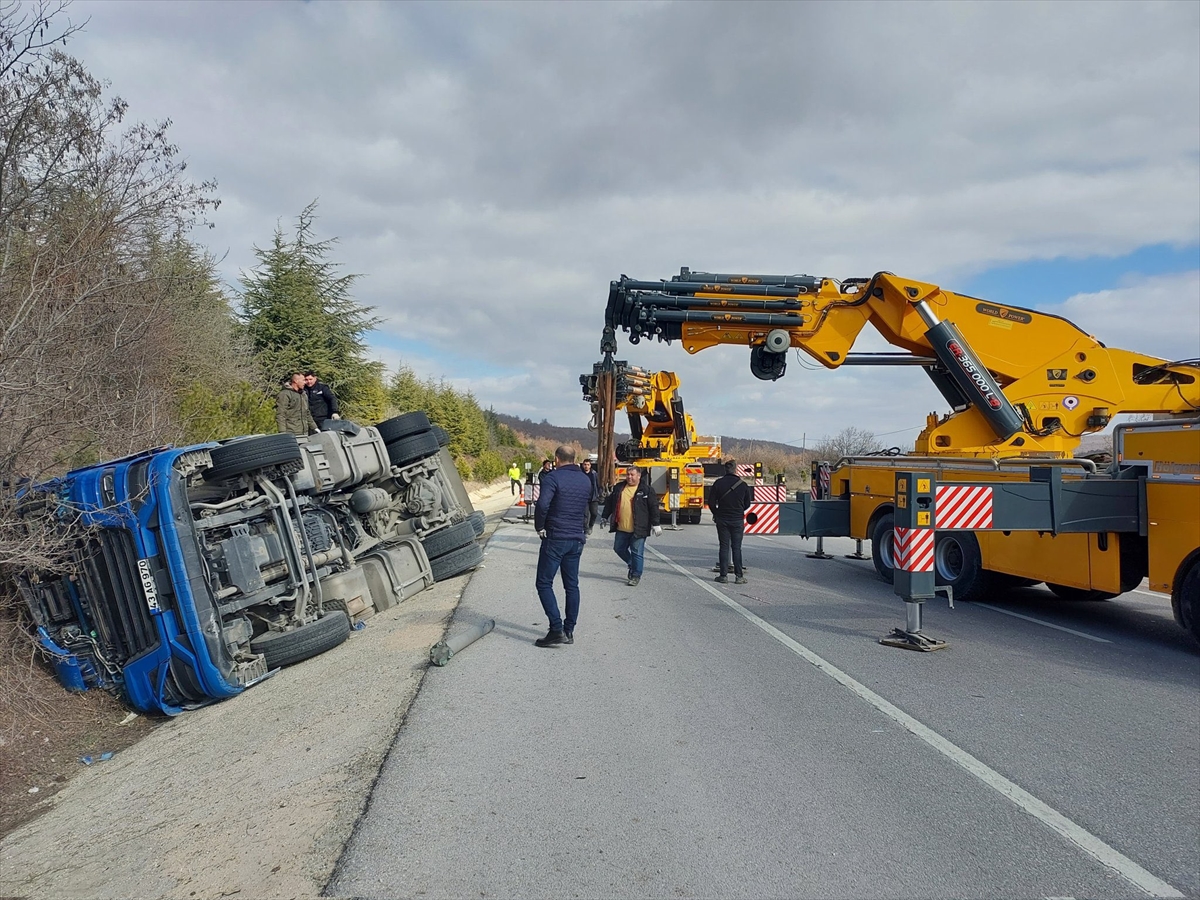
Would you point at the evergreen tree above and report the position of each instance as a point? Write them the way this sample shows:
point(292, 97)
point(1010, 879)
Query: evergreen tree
point(298, 314)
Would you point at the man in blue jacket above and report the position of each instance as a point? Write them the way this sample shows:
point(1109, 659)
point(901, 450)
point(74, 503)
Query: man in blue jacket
point(560, 518)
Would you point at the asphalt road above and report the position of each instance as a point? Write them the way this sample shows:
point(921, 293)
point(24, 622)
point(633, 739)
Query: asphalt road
point(757, 741)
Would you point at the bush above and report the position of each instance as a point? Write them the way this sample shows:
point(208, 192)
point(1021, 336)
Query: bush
point(489, 466)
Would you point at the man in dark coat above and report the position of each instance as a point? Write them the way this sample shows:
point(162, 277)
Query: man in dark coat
point(321, 402)
point(594, 505)
point(632, 512)
point(560, 516)
point(728, 500)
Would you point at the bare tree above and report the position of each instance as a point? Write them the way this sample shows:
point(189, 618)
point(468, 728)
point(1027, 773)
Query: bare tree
point(92, 291)
point(848, 442)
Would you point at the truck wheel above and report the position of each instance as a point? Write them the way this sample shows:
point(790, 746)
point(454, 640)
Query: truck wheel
point(1186, 600)
point(243, 456)
point(282, 648)
point(403, 426)
point(439, 543)
point(958, 564)
point(477, 520)
point(442, 435)
point(409, 449)
point(1078, 595)
point(883, 548)
point(456, 561)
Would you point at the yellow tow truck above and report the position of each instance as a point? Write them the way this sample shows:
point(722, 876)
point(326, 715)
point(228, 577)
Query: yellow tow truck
point(1023, 387)
point(663, 437)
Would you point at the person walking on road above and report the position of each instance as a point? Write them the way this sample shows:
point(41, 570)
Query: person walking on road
point(559, 517)
point(321, 402)
point(514, 478)
point(728, 500)
point(594, 504)
point(292, 415)
point(632, 511)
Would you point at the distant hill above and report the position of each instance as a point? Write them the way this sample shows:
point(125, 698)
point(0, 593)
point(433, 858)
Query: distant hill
point(782, 456)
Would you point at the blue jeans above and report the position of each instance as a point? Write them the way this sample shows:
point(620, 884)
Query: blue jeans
point(553, 556)
point(631, 549)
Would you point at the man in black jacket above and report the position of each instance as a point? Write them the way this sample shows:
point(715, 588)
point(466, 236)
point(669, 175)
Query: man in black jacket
point(632, 512)
point(728, 500)
point(560, 517)
point(321, 402)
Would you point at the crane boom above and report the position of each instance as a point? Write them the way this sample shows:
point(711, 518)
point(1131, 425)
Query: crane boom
point(1019, 382)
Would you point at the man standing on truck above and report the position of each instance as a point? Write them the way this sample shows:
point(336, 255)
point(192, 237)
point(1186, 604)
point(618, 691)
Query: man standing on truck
point(728, 500)
point(321, 401)
point(559, 518)
point(292, 414)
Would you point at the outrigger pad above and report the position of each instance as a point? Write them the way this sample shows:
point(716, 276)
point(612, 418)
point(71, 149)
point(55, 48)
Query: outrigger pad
point(912, 640)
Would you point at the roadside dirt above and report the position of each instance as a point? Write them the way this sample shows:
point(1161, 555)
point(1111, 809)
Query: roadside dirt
point(252, 797)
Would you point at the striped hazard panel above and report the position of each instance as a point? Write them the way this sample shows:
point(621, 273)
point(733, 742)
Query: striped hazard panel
point(765, 518)
point(770, 493)
point(913, 549)
point(964, 506)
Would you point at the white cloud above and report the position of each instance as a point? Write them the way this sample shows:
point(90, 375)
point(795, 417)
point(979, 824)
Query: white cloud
point(490, 167)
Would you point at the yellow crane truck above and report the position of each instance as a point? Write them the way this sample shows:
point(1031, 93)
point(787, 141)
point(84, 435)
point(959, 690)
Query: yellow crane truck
point(663, 436)
point(1023, 386)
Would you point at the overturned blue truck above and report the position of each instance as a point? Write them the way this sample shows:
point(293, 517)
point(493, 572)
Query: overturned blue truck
point(192, 573)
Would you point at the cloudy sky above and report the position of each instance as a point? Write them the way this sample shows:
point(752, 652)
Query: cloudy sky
point(489, 168)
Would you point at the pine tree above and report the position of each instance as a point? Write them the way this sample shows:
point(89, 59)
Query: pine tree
point(299, 314)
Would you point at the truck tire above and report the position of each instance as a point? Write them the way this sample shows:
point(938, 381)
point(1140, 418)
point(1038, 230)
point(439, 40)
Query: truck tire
point(403, 426)
point(1185, 599)
point(1078, 595)
point(958, 564)
point(409, 449)
point(883, 547)
point(439, 543)
point(456, 561)
point(442, 435)
point(283, 648)
point(477, 520)
point(258, 452)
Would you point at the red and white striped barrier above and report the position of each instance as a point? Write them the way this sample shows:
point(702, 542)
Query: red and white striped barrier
point(964, 506)
point(913, 549)
point(770, 493)
point(745, 470)
point(766, 518)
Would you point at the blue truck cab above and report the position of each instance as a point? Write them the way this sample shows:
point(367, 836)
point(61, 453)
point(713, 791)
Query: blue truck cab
point(191, 573)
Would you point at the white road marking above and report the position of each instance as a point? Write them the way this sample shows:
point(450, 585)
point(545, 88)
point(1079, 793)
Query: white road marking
point(1017, 615)
point(1077, 835)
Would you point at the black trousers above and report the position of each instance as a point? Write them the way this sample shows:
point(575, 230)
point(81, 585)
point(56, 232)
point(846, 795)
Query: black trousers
point(593, 513)
point(730, 536)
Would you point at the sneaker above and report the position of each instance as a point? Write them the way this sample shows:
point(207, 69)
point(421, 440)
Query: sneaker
point(721, 579)
point(551, 638)
point(741, 579)
point(633, 580)
point(568, 637)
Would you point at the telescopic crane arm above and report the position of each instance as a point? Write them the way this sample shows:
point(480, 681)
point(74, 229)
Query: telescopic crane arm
point(1019, 382)
point(658, 423)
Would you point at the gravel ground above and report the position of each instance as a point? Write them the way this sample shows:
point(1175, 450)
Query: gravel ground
point(254, 797)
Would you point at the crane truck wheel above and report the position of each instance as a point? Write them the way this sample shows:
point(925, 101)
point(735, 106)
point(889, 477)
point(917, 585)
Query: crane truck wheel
point(958, 563)
point(1185, 599)
point(882, 547)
